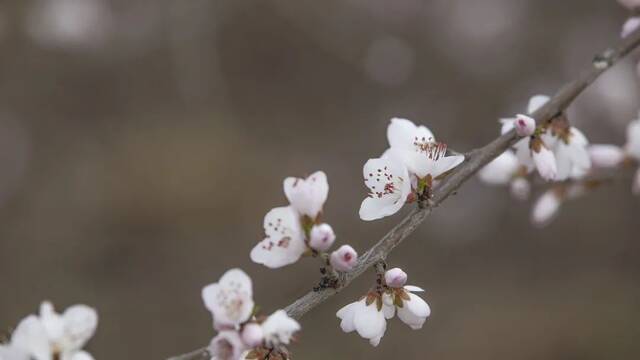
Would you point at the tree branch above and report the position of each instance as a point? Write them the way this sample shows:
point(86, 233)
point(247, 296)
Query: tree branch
point(474, 161)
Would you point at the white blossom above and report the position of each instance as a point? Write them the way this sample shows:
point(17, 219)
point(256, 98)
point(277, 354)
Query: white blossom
point(546, 208)
point(227, 345)
point(606, 156)
point(633, 140)
point(520, 188)
point(343, 259)
point(630, 26)
point(284, 243)
point(501, 170)
point(307, 196)
point(416, 147)
point(51, 335)
point(321, 237)
point(230, 300)
point(279, 328)
point(414, 311)
point(572, 155)
point(389, 185)
point(367, 320)
point(544, 160)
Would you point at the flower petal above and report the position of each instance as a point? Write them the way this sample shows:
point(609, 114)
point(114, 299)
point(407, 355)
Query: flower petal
point(370, 323)
point(536, 102)
point(307, 196)
point(414, 311)
point(30, 336)
point(230, 300)
point(501, 170)
point(80, 323)
point(347, 314)
point(284, 241)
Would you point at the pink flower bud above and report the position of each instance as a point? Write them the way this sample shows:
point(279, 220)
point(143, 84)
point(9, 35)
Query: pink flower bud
point(322, 237)
point(395, 278)
point(525, 125)
point(520, 188)
point(606, 156)
point(252, 335)
point(343, 259)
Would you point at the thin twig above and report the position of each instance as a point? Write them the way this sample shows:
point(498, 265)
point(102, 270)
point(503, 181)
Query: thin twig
point(474, 161)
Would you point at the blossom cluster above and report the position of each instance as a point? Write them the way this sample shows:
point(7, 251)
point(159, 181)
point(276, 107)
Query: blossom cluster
point(294, 230)
point(368, 316)
point(52, 336)
point(407, 171)
point(241, 333)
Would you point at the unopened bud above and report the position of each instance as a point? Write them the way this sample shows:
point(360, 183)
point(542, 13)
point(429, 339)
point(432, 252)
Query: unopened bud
point(344, 259)
point(321, 237)
point(395, 278)
point(252, 335)
point(525, 125)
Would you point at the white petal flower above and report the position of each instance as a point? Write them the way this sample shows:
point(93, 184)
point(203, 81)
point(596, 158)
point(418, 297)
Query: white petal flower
point(520, 188)
point(307, 196)
point(633, 139)
point(284, 241)
point(8, 352)
point(395, 278)
point(415, 146)
point(414, 312)
point(343, 259)
point(546, 208)
point(389, 186)
point(279, 328)
point(227, 345)
point(501, 170)
point(525, 125)
point(536, 102)
point(544, 160)
point(231, 299)
point(630, 26)
point(388, 308)
point(365, 319)
point(321, 237)
point(572, 156)
point(68, 332)
point(404, 134)
point(606, 156)
point(252, 335)
point(30, 339)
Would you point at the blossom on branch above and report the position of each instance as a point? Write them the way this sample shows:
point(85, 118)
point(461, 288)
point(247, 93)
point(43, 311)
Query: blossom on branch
point(307, 196)
point(343, 259)
point(284, 243)
point(368, 316)
point(242, 334)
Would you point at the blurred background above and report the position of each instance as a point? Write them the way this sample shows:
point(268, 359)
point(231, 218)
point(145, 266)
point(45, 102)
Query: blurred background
point(142, 142)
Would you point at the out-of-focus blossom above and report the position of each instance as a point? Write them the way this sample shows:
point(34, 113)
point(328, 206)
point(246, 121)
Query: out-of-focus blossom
point(321, 237)
point(520, 188)
point(389, 186)
point(230, 300)
point(343, 259)
point(501, 170)
point(633, 140)
point(636, 183)
point(227, 345)
point(605, 155)
point(307, 196)
point(51, 335)
point(546, 208)
point(630, 26)
point(279, 328)
point(284, 241)
point(572, 156)
point(544, 160)
point(70, 23)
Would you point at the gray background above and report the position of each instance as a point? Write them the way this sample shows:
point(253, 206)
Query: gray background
point(139, 153)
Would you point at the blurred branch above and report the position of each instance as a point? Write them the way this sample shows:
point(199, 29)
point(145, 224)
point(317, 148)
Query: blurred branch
point(475, 160)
